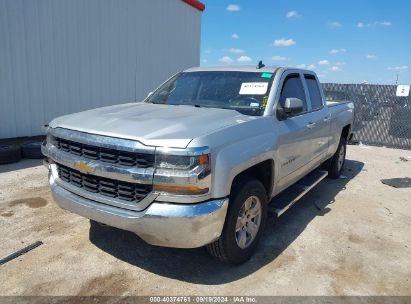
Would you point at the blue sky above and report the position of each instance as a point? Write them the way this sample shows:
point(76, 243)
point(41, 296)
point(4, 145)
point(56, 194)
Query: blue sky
point(343, 41)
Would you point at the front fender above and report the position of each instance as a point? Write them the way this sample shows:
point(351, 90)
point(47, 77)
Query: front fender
point(237, 157)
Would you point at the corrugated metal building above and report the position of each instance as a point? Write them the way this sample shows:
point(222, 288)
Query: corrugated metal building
point(65, 56)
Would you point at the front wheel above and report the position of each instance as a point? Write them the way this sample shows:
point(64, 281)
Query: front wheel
point(244, 222)
point(335, 164)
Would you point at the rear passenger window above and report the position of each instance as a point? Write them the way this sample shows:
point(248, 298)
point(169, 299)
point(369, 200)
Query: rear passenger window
point(314, 90)
point(293, 88)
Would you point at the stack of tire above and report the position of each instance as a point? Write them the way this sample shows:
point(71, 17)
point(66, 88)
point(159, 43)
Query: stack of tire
point(14, 152)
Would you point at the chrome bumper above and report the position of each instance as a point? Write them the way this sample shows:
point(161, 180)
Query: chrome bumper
point(162, 224)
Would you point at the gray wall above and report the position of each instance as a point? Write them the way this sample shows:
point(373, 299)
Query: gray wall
point(64, 56)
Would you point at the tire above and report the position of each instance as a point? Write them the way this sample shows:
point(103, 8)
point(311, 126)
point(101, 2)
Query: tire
point(94, 224)
point(335, 164)
point(227, 248)
point(32, 150)
point(9, 154)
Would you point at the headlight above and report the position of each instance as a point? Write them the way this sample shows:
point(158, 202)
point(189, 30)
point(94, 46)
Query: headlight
point(50, 139)
point(181, 162)
point(182, 171)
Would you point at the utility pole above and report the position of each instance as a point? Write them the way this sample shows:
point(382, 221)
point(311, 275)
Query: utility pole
point(398, 76)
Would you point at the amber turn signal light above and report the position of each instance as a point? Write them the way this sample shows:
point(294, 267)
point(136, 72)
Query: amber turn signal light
point(180, 189)
point(203, 159)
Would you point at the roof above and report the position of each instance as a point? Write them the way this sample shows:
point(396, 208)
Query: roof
point(196, 4)
point(236, 68)
point(245, 68)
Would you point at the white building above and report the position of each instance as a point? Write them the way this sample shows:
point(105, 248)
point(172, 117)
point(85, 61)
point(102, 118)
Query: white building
point(60, 57)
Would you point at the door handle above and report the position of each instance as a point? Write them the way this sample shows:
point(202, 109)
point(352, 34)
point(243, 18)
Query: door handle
point(327, 119)
point(310, 125)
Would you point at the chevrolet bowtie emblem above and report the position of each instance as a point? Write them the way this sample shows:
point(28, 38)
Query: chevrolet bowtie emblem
point(83, 167)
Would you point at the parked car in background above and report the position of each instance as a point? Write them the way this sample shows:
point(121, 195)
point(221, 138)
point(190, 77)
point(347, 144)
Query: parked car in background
point(400, 121)
point(366, 108)
point(200, 161)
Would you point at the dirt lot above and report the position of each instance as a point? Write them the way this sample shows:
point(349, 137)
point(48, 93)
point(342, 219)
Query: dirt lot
point(350, 236)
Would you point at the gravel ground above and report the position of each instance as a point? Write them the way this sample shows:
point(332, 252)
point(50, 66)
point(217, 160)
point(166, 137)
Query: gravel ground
point(350, 236)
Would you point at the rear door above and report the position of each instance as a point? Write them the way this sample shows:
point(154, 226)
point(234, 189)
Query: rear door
point(320, 117)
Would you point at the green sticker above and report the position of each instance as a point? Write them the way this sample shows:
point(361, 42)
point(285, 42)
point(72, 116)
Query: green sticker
point(266, 75)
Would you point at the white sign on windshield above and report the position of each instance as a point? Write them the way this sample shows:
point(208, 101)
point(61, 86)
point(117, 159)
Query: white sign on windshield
point(403, 90)
point(253, 88)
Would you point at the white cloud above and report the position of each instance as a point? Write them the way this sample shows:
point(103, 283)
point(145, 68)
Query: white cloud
point(384, 23)
point(335, 69)
point(284, 42)
point(336, 51)
point(233, 8)
point(370, 56)
point(279, 58)
point(323, 62)
point(305, 66)
point(226, 59)
point(292, 14)
point(244, 59)
point(235, 36)
point(375, 24)
point(205, 60)
point(236, 51)
point(321, 75)
point(399, 68)
point(208, 50)
point(339, 63)
point(334, 24)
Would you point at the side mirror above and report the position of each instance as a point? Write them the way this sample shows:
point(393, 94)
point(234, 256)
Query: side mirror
point(293, 106)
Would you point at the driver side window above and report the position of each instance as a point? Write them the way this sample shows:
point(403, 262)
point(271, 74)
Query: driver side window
point(292, 88)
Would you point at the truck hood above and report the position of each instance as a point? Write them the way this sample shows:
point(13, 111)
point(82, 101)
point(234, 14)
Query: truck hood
point(152, 124)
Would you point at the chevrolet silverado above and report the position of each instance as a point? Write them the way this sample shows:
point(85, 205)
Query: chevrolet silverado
point(201, 160)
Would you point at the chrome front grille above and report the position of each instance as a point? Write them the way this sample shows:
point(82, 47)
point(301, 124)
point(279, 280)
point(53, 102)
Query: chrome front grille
point(125, 191)
point(107, 155)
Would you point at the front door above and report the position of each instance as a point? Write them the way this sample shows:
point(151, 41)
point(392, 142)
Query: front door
point(293, 133)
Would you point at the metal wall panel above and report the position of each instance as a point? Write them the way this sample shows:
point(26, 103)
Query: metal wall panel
point(63, 56)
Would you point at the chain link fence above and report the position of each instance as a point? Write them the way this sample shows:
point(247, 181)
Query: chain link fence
point(381, 118)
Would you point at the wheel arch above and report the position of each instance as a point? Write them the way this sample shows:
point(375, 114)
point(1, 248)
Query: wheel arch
point(346, 131)
point(263, 171)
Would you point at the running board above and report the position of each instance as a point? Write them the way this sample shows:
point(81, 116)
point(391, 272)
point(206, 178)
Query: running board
point(282, 202)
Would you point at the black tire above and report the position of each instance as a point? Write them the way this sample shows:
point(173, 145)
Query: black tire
point(32, 150)
point(95, 224)
point(333, 165)
point(9, 154)
point(226, 248)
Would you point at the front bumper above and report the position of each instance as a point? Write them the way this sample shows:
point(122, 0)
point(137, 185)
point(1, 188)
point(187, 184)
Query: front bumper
point(162, 224)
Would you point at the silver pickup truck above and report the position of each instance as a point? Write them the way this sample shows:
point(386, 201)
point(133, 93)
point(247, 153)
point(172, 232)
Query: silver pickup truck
point(202, 159)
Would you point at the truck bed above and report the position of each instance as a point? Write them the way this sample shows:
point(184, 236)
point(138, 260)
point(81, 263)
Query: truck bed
point(336, 102)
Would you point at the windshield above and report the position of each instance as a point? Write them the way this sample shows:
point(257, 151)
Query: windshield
point(245, 92)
